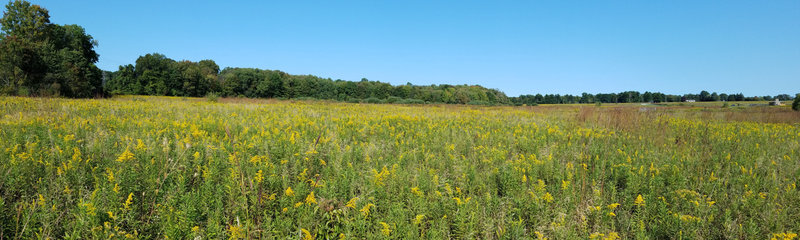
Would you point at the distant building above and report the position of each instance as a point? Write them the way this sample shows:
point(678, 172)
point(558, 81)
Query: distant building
point(690, 100)
point(776, 102)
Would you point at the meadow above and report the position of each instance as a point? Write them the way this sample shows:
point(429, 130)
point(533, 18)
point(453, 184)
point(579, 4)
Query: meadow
point(137, 167)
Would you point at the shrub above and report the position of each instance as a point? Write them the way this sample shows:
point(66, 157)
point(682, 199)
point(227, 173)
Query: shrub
point(305, 99)
point(372, 100)
point(411, 101)
point(477, 102)
point(212, 97)
point(796, 103)
point(393, 99)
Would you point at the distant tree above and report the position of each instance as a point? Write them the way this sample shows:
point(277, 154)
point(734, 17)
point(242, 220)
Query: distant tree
point(124, 81)
point(739, 97)
point(647, 97)
point(704, 96)
point(714, 97)
point(158, 75)
point(586, 98)
point(796, 103)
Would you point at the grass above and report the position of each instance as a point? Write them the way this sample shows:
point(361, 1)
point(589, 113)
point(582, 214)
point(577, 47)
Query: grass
point(158, 167)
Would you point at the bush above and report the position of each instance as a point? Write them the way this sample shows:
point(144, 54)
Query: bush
point(23, 91)
point(372, 100)
point(411, 101)
point(305, 99)
point(393, 99)
point(477, 102)
point(212, 97)
point(796, 103)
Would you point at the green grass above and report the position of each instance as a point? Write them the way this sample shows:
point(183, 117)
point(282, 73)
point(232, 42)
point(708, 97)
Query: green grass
point(150, 167)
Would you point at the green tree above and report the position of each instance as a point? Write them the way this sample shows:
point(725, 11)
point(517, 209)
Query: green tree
point(25, 20)
point(71, 70)
point(41, 58)
point(24, 28)
point(158, 75)
point(124, 81)
point(796, 103)
point(704, 96)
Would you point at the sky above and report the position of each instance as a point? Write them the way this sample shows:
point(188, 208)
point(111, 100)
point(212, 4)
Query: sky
point(518, 47)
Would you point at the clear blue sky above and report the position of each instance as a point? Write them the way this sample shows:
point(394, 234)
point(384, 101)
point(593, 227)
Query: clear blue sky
point(519, 47)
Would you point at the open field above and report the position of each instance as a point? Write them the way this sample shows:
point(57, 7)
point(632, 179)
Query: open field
point(183, 168)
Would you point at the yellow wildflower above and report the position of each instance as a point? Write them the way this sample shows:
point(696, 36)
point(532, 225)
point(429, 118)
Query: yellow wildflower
point(783, 236)
point(110, 175)
point(416, 191)
point(41, 200)
point(259, 176)
point(125, 156)
point(385, 230)
point(352, 203)
point(612, 236)
point(419, 218)
point(365, 209)
point(548, 198)
point(236, 232)
point(289, 191)
point(128, 202)
point(639, 201)
point(307, 235)
point(613, 206)
point(311, 199)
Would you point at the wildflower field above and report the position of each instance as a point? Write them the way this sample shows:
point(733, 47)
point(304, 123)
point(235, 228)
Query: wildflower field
point(187, 168)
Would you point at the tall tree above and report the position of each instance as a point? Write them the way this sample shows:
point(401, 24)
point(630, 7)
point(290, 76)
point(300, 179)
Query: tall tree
point(24, 28)
point(25, 20)
point(38, 57)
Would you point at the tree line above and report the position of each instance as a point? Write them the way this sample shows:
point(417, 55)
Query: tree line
point(40, 58)
point(638, 97)
point(156, 74)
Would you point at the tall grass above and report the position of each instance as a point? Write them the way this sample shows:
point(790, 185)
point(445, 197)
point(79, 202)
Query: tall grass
point(150, 167)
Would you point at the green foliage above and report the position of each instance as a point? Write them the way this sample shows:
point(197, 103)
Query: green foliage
point(26, 21)
point(635, 97)
point(212, 97)
point(796, 103)
point(41, 58)
point(155, 74)
point(372, 100)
